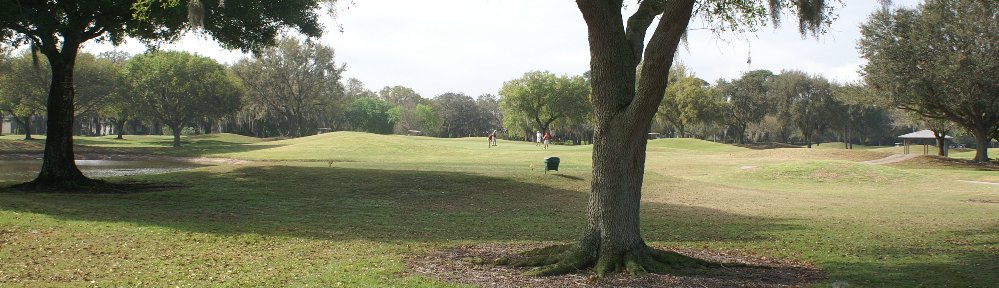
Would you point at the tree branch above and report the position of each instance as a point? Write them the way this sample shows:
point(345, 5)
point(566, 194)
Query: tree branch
point(639, 23)
point(659, 57)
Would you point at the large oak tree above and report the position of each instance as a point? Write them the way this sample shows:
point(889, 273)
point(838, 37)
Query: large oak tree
point(57, 28)
point(940, 61)
point(624, 105)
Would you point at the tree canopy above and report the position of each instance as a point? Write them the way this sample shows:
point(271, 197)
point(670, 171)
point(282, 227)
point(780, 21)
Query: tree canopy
point(938, 60)
point(296, 83)
point(542, 98)
point(177, 88)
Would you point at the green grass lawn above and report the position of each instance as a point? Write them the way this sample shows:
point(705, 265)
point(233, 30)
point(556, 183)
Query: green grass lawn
point(294, 218)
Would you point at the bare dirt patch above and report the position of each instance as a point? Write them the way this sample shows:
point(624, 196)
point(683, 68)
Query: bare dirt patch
point(894, 158)
point(452, 265)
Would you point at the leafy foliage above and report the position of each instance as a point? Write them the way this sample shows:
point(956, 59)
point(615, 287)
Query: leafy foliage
point(460, 116)
point(938, 60)
point(296, 85)
point(369, 115)
point(687, 102)
point(541, 98)
point(748, 100)
point(177, 88)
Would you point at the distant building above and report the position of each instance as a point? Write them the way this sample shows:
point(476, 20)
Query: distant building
point(5, 125)
point(922, 137)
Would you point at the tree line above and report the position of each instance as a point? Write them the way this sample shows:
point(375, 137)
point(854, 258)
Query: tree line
point(296, 89)
point(291, 90)
point(791, 107)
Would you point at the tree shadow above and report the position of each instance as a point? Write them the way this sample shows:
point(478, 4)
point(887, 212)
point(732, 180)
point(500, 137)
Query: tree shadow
point(570, 177)
point(89, 149)
point(379, 205)
point(972, 264)
point(937, 162)
point(188, 148)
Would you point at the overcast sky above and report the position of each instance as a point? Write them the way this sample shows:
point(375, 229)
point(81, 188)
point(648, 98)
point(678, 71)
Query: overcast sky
point(473, 46)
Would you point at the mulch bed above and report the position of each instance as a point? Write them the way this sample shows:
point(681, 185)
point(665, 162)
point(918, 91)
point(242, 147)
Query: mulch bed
point(450, 265)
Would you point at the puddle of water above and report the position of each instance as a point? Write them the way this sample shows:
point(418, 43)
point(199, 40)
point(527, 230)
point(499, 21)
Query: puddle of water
point(25, 170)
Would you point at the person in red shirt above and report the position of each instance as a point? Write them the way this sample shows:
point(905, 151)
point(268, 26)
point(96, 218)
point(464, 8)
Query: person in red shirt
point(547, 138)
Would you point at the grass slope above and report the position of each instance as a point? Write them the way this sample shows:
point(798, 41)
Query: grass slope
point(298, 220)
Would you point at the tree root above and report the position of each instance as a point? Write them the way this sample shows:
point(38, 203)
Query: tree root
point(562, 259)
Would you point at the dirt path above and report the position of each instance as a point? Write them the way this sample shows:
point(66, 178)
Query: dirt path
point(979, 182)
point(894, 158)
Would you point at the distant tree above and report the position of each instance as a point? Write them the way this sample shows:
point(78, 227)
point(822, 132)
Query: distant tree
point(4, 68)
point(687, 102)
point(938, 60)
point(492, 114)
point(811, 104)
point(542, 97)
point(369, 115)
point(748, 100)
point(23, 86)
point(459, 115)
point(94, 78)
point(400, 95)
point(403, 114)
point(57, 29)
point(296, 83)
point(98, 80)
point(355, 89)
point(177, 88)
point(124, 104)
point(669, 111)
point(430, 123)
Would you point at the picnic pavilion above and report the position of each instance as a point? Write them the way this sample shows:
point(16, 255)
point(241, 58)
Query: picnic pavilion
point(922, 137)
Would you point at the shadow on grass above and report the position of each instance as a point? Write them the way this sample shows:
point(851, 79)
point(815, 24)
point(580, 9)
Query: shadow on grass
point(973, 262)
point(91, 149)
point(937, 162)
point(187, 148)
point(570, 177)
point(380, 205)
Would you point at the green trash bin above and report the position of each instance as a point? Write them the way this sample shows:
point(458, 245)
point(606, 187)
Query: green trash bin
point(551, 163)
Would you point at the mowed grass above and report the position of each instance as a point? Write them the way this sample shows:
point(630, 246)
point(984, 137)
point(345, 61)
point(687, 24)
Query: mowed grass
point(347, 209)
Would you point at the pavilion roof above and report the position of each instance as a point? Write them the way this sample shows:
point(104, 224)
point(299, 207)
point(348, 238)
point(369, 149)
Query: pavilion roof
point(922, 134)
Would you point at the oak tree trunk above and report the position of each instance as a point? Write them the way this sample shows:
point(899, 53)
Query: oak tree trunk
point(26, 125)
point(941, 146)
point(624, 114)
point(981, 145)
point(176, 133)
point(58, 165)
point(616, 192)
point(120, 128)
